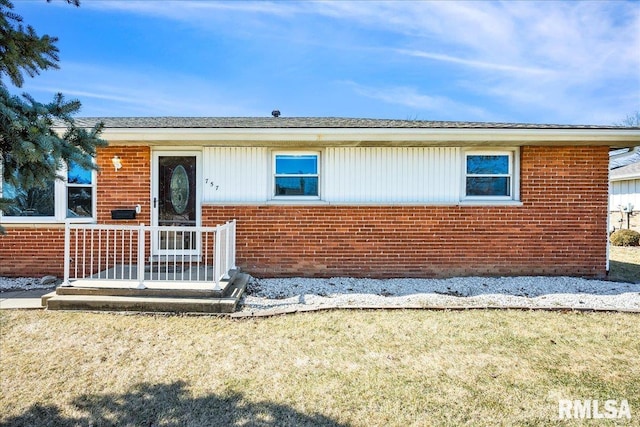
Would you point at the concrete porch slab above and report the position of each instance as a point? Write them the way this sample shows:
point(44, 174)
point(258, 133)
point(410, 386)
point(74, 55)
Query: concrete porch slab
point(133, 284)
point(160, 272)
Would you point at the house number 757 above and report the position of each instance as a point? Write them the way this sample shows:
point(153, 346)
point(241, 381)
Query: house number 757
point(211, 184)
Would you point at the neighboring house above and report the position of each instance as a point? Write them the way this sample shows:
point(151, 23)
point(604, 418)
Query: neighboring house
point(624, 190)
point(344, 197)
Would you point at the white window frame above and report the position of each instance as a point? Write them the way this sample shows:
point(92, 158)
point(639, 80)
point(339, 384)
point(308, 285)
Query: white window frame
point(60, 196)
point(318, 175)
point(513, 174)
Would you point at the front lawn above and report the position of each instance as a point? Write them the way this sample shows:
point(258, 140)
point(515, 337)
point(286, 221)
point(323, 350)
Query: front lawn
point(356, 368)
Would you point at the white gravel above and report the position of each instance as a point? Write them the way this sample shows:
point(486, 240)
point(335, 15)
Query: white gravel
point(292, 294)
point(274, 295)
point(27, 283)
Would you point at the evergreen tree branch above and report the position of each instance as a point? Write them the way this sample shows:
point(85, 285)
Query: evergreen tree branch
point(30, 142)
point(21, 49)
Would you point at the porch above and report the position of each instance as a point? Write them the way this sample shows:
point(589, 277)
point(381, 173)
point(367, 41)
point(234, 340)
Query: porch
point(149, 268)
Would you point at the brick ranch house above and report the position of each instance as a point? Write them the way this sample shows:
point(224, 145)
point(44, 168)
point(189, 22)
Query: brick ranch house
point(343, 197)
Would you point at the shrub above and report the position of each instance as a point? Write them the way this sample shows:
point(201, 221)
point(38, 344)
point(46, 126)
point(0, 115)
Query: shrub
point(625, 238)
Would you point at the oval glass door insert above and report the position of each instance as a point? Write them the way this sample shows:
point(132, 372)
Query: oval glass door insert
point(179, 189)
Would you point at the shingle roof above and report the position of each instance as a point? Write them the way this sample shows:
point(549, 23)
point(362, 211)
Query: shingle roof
point(624, 159)
point(631, 171)
point(309, 123)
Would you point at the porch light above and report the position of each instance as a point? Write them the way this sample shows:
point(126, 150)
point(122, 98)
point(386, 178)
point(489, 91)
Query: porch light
point(117, 163)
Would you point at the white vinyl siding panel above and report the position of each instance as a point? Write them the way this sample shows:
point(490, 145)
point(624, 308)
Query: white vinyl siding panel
point(623, 193)
point(392, 175)
point(235, 174)
point(347, 174)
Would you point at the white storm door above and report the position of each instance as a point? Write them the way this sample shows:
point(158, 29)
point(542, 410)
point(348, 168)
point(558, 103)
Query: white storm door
point(175, 202)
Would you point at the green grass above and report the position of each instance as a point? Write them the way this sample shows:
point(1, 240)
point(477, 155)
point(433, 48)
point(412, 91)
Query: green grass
point(624, 264)
point(357, 368)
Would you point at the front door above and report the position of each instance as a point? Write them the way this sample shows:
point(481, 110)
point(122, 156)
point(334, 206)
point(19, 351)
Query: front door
point(176, 202)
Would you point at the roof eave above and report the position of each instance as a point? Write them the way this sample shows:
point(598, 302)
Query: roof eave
point(626, 177)
point(360, 136)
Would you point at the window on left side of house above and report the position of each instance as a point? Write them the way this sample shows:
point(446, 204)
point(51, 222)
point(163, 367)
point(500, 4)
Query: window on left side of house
point(57, 200)
point(80, 193)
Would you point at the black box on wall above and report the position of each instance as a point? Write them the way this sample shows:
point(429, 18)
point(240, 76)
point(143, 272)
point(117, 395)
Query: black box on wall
point(123, 214)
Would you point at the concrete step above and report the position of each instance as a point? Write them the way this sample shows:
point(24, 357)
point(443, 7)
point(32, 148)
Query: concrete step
point(142, 304)
point(151, 302)
point(46, 297)
point(132, 292)
point(128, 288)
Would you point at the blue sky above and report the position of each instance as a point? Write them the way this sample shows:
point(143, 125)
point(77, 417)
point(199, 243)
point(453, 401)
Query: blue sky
point(541, 62)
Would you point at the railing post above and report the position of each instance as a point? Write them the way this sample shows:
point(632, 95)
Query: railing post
point(67, 254)
point(227, 250)
point(141, 251)
point(233, 245)
point(217, 260)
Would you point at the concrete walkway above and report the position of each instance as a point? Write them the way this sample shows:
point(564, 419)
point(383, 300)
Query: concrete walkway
point(23, 299)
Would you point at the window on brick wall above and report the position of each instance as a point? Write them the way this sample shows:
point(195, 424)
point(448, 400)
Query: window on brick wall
point(295, 175)
point(70, 199)
point(490, 175)
point(79, 192)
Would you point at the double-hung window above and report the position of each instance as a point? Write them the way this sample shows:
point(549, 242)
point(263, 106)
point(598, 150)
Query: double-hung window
point(57, 201)
point(79, 192)
point(296, 175)
point(490, 175)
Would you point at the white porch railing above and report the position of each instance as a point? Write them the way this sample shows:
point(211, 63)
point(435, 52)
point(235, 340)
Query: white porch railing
point(139, 254)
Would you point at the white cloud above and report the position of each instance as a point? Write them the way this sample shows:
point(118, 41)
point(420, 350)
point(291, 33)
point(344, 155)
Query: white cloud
point(199, 12)
point(567, 61)
point(441, 106)
point(105, 90)
point(475, 63)
point(511, 35)
point(551, 58)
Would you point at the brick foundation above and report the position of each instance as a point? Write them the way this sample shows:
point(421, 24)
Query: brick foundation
point(29, 251)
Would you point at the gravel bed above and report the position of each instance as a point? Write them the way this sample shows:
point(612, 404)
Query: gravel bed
point(8, 284)
point(291, 294)
point(571, 292)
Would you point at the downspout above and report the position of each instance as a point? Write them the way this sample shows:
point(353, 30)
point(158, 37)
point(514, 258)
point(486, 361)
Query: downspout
point(608, 218)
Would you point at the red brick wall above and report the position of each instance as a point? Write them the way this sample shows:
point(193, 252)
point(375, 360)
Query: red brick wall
point(127, 187)
point(559, 230)
point(38, 250)
point(29, 251)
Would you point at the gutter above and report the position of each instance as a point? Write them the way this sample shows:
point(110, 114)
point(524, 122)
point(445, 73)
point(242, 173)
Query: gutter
point(386, 136)
point(625, 177)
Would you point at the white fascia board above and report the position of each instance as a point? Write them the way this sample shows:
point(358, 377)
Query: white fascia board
point(365, 136)
point(626, 177)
